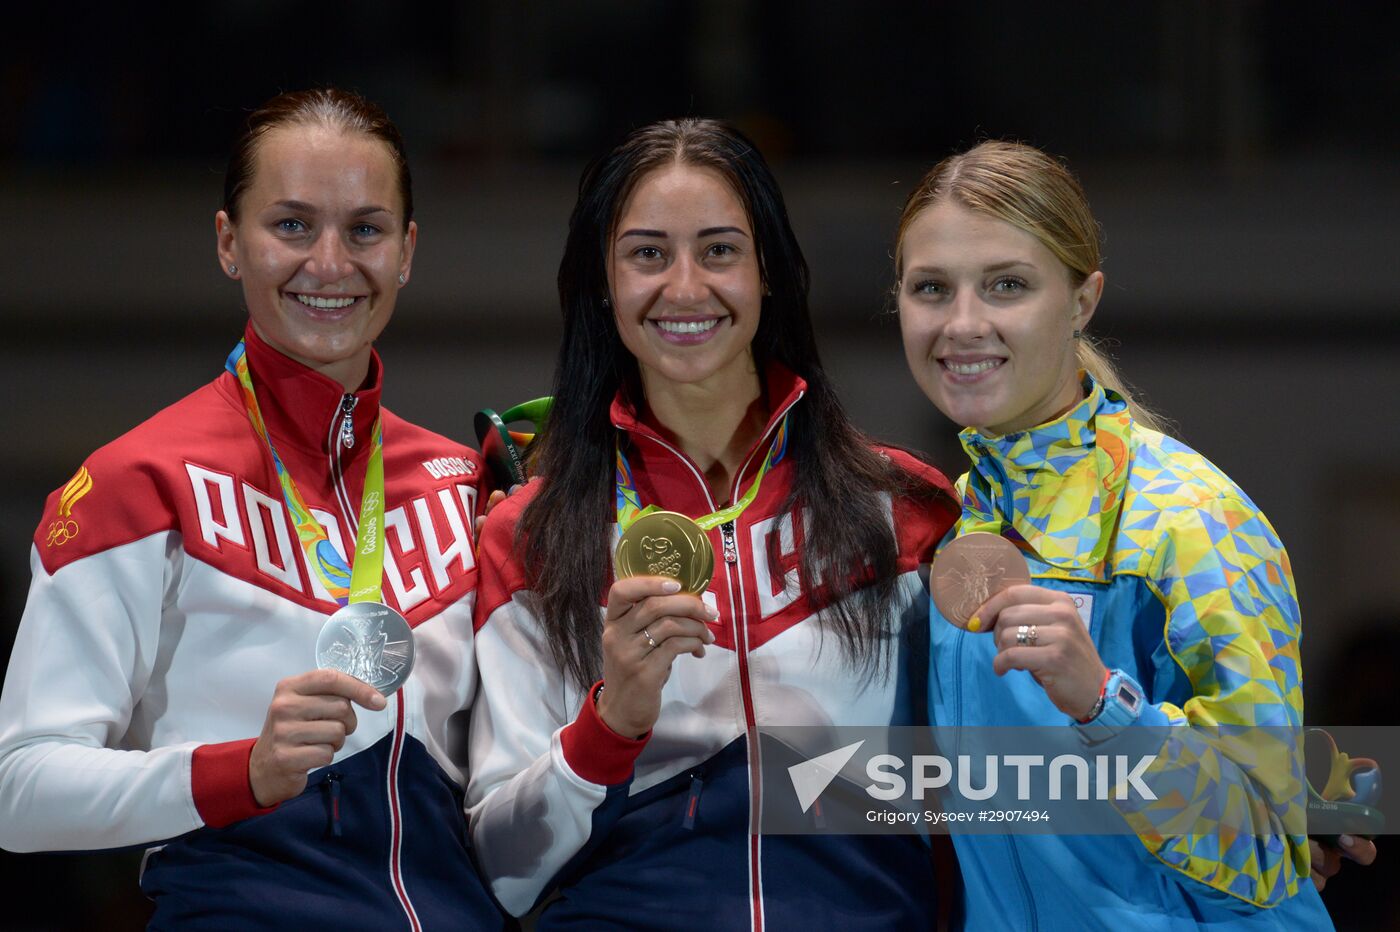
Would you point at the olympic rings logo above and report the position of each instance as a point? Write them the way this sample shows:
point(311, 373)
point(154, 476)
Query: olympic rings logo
point(61, 532)
point(64, 527)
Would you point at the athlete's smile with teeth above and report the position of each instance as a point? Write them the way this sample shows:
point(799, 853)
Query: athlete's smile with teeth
point(971, 368)
point(311, 300)
point(686, 326)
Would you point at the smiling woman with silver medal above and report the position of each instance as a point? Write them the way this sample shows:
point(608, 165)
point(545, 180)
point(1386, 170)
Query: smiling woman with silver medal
point(694, 440)
point(177, 681)
point(1159, 595)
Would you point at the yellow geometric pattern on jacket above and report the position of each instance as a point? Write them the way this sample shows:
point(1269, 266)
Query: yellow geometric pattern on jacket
point(1231, 808)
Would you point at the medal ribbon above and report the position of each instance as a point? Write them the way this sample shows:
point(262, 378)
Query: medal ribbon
point(980, 498)
point(629, 503)
point(365, 583)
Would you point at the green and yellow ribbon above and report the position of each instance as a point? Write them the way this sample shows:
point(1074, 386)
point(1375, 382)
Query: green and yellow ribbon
point(365, 583)
point(629, 502)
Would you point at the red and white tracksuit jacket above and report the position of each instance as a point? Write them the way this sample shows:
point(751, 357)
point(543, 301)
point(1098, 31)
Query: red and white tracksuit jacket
point(656, 832)
point(170, 594)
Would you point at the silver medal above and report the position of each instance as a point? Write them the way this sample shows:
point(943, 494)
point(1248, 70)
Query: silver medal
point(371, 642)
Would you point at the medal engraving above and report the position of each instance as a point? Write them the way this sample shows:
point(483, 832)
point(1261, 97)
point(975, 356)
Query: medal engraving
point(970, 570)
point(664, 543)
point(661, 557)
point(369, 641)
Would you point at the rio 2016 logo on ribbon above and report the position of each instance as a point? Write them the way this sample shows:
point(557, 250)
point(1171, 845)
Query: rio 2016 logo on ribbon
point(64, 528)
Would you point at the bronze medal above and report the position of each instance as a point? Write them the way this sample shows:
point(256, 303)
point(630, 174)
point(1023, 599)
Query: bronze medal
point(970, 570)
point(664, 543)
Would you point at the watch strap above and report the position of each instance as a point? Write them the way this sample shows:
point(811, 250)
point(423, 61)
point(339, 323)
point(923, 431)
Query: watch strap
point(1122, 704)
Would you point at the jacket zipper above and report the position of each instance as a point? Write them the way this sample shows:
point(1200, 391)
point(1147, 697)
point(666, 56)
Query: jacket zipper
point(343, 420)
point(1005, 505)
point(341, 437)
point(1033, 922)
point(331, 788)
point(741, 648)
point(692, 803)
point(1009, 841)
point(396, 826)
point(347, 420)
point(958, 680)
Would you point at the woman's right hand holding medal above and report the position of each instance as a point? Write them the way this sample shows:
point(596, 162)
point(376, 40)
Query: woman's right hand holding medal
point(648, 624)
point(307, 722)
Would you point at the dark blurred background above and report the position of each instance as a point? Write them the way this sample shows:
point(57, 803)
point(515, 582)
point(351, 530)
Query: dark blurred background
point(1241, 157)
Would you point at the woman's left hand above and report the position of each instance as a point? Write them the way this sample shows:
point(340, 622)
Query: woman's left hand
point(1059, 652)
point(1327, 859)
point(496, 498)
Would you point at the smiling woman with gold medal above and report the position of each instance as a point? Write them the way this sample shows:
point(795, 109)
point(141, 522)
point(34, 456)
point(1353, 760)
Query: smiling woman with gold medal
point(766, 559)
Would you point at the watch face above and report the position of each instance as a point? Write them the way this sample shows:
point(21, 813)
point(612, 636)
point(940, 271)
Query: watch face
point(1128, 697)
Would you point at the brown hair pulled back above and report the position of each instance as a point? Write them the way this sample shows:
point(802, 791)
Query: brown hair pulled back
point(330, 107)
point(1030, 190)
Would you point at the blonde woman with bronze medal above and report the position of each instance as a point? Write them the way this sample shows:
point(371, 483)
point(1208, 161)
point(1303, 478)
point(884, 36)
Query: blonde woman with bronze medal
point(712, 548)
point(246, 646)
point(1102, 576)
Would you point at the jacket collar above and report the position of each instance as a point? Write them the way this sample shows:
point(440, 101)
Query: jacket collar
point(301, 406)
point(782, 385)
point(784, 389)
point(1047, 479)
point(1056, 445)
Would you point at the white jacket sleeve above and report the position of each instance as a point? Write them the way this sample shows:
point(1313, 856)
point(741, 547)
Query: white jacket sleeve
point(86, 649)
point(548, 777)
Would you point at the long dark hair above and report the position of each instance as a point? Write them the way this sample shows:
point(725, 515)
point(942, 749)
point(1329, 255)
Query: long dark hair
point(564, 531)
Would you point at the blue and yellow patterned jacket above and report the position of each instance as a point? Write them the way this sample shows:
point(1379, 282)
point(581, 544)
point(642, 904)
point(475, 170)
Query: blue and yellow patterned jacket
point(1195, 601)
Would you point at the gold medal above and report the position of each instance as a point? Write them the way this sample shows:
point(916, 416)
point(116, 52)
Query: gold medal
point(664, 543)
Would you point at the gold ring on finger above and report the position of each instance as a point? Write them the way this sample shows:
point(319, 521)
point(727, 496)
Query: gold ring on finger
point(1032, 637)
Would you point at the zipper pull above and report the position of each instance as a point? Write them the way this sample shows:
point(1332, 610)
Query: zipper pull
point(347, 423)
point(731, 550)
point(693, 803)
point(333, 782)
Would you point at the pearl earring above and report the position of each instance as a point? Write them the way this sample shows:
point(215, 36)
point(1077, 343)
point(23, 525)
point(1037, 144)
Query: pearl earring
point(232, 269)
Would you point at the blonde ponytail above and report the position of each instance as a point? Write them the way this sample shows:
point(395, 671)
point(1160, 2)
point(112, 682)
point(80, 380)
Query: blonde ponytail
point(1098, 364)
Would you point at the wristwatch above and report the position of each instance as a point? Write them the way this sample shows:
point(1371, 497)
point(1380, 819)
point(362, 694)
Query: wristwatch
point(1121, 704)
